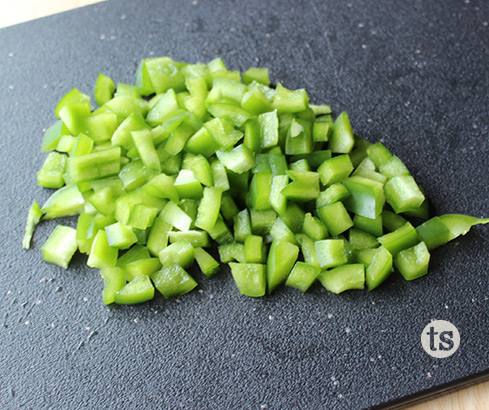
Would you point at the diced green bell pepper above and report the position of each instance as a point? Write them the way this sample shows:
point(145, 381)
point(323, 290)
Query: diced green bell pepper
point(250, 278)
point(413, 262)
point(179, 253)
point(139, 290)
point(343, 278)
point(60, 247)
point(281, 258)
point(113, 282)
point(379, 269)
point(207, 264)
point(302, 276)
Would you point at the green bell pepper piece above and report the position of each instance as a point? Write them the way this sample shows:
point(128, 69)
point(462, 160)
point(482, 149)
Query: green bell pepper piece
point(334, 193)
point(372, 226)
point(230, 112)
point(308, 249)
point(335, 217)
point(250, 278)
point(102, 255)
point(173, 215)
point(104, 89)
point(331, 253)
point(304, 186)
point(198, 239)
point(286, 100)
point(260, 190)
point(219, 175)
point(281, 258)
point(254, 250)
point(259, 75)
point(299, 138)
point(277, 200)
point(239, 159)
point(187, 185)
point(379, 154)
point(281, 232)
point(242, 225)
point(95, 165)
point(53, 135)
point(202, 143)
point(207, 264)
point(343, 278)
point(262, 221)
point(33, 218)
point(139, 290)
point(379, 269)
point(252, 135)
point(335, 169)
point(255, 101)
point(66, 201)
point(220, 232)
point(314, 228)
point(113, 282)
point(366, 196)
point(400, 239)
point(341, 139)
point(60, 247)
point(362, 240)
point(403, 194)
point(173, 281)
point(413, 262)
point(73, 96)
point(223, 132)
point(209, 208)
point(178, 253)
point(51, 173)
point(302, 276)
point(460, 224)
point(268, 123)
point(101, 127)
point(394, 167)
point(229, 252)
point(120, 236)
point(146, 266)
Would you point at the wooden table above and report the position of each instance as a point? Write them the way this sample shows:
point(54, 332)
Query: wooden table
point(17, 11)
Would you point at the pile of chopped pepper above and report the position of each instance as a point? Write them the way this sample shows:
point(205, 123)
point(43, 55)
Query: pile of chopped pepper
point(196, 155)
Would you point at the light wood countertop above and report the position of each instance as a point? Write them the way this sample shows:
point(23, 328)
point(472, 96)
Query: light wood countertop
point(475, 397)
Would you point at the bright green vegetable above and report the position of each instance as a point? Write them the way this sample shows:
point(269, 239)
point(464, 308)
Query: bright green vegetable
point(413, 262)
point(331, 253)
point(281, 258)
point(139, 290)
point(250, 278)
point(113, 282)
point(302, 276)
point(33, 218)
point(402, 238)
point(51, 173)
point(60, 247)
point(379, 269)
point(173, 281)
point(67, 201)
point(207, 264)
point(343, 278)
point(102, 255)
point(179, 253)
point(195, 152)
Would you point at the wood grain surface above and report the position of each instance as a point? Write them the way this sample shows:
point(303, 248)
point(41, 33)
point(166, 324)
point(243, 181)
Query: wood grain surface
point(475, 397)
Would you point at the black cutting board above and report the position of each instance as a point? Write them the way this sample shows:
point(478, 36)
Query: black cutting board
point(411, 74)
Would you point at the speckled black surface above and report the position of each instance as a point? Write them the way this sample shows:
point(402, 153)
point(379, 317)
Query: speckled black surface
point(413, 74)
